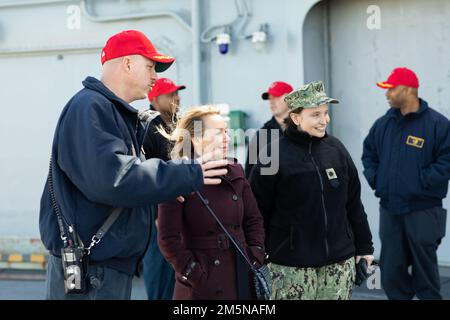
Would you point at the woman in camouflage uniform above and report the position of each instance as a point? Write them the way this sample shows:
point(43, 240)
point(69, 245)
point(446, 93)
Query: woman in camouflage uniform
point(316, 227)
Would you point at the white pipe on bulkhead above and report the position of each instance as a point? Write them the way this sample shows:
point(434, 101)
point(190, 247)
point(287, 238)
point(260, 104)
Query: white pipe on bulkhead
point(13, 4)
point(132, 16)
point(196, 52)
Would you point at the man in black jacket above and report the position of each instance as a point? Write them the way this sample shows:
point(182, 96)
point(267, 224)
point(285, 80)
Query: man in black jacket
point(165, 100)
point(98, 170)
point(158, 273)
point(272, 128)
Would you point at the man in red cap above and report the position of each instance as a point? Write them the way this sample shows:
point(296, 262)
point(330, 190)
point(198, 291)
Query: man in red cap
point(280, 111)
point(164, 106)
point(96, 207)
point(159, 276)
point(164, 98)
point(406, 160)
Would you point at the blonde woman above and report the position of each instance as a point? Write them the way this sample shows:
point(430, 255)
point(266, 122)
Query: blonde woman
point(206, 264)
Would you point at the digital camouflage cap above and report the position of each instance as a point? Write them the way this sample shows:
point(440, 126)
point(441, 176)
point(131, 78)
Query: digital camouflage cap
point(310, 95)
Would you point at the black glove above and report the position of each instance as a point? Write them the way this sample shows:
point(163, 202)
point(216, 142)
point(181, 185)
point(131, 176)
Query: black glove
point(361, 272)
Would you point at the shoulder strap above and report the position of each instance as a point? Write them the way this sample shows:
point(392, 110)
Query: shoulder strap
point(98, 235)
point(104, 228)
point(236, 244)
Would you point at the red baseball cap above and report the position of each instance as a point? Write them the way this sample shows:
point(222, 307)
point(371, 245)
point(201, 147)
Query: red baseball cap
point(400, 77)
point(132, 42)
point(163, 86)
point(277, 89)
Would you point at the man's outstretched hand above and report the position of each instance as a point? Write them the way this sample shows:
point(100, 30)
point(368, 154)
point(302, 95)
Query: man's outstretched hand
point(213, 166)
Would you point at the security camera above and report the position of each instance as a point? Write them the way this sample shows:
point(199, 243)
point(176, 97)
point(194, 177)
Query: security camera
point(223, 40)
point(259, 38)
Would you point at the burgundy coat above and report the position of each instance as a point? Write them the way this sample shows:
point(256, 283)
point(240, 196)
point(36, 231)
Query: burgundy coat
point(187, 232)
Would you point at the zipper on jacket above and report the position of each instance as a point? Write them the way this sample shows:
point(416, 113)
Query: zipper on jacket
point(147, 125)
point(291, 238)
point(141, 143)
point(323, 198)
point(135, 152)
point(136, 129)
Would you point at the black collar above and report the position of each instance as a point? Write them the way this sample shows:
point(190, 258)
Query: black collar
point(395, 113)
point(301, 138)
point(273, 124)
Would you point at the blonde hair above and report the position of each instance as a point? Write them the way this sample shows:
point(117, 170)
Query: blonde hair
point(188, 126)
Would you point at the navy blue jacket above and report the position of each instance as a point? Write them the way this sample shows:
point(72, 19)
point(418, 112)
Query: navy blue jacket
point(407, 159)
point(98, 166)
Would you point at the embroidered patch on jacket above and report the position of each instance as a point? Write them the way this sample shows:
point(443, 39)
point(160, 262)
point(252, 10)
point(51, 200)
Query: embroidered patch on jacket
point(415, 142)
point(331, 174)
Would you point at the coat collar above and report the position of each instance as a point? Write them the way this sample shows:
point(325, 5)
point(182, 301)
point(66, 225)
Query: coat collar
point(301, 138)
point(395, 113)
point(272, 124)
point(96, 85)
point(235, 170)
